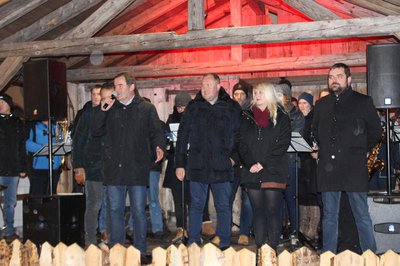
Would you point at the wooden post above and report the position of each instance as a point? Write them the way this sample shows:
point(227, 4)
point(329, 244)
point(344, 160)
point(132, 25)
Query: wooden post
point(132, 256)
point(29, 254)
point(305, 256)
point(246, 257)
point(349, 258)
point(196, 15)
point(5, 253)
point(267, 256)
point(211, 255)
point(285, 258)
point(59, 254)
point(74, 256)
point(184, 254)
point(231, 257)
point(93, 256)
point(159, 256)
point(118, 255)
point(390, 258)
point(46, 254)
point(236, 21)
point(370, 258)
point(326, 258)
point(194, 255)
point(15, 248)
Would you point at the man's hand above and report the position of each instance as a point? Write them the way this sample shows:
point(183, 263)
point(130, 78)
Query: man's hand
point(159, 154)
point(180, 173)
point(79, 176)
point(232, 161)
point(255, 168)
point(106, 104)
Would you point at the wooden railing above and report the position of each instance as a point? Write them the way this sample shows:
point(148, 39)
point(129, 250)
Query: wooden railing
point(16, 254)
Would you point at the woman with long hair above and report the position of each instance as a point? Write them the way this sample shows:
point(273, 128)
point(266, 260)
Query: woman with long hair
point(265, 138)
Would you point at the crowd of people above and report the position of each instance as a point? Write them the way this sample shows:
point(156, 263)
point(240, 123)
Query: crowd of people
point(223, 143)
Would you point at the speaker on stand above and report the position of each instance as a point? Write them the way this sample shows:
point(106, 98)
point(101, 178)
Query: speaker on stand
point(383, 62)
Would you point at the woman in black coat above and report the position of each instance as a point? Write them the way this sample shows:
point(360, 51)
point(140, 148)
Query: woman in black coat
point(265, 138)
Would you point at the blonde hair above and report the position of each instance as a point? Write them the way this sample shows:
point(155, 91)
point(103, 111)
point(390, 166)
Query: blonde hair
point(272, 99)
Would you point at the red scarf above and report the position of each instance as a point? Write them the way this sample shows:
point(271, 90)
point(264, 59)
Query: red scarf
point(261, 117)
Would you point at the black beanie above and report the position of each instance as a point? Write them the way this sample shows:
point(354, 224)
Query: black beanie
point(239, 86)
point(7, 99)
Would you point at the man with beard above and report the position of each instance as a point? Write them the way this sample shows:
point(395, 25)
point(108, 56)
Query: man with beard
point(346, 127)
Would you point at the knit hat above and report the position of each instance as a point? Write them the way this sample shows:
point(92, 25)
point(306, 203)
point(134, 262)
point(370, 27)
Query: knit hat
point(239, 86)
point(308, 97)
point(7, 99)
point(182, 98)
point(284, 89)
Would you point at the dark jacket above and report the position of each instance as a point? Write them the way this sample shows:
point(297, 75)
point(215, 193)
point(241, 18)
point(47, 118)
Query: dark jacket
point(170, 179)
point(307, 181)
point(87, 149)
point(212, 131)
point(131, 132)
point(345, 127)
point(12, 146)
point(267, 146)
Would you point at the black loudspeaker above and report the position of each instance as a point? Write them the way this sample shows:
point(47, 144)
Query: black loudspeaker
point(54, 219)
point(45, 90)
point(385, 217)
point(383, 62)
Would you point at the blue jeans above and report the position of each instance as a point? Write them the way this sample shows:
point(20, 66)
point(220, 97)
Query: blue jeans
point(137, 198)
point(103, 212)
point(198, 195)
point(246, 213)
point(10, 201)
point(359, 207)
point(154, 203)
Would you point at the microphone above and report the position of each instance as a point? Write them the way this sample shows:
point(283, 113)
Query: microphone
point(113, 97)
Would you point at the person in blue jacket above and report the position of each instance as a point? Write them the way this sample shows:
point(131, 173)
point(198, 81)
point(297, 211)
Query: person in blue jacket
point(39, 175)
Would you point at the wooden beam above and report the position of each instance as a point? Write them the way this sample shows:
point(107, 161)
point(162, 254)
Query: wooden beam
point(52, 20)
point(236, 21)
point(377, 6)
point(102, 16)
point(135, 23)
point(140, 20)
point(347, 9)
point(312, 9)
point(9, 67)
point(302, 31)
point(16, 9)
point(284, 63)
point(196, 15)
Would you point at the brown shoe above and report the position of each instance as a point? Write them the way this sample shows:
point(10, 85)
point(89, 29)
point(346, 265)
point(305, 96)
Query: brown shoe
point(104, 237)
point(243, 240)
point(207, 229)
point(180, 235)
point(216, 240)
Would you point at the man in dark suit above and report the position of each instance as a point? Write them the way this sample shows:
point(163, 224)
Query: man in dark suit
point(346, 127)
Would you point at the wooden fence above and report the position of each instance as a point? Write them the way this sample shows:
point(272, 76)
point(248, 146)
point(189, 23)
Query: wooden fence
point(17, 254)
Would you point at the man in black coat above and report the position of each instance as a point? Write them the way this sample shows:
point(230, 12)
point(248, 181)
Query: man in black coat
point(210, 125)
point(134, 140)
point(346, 127)
point(12, 161)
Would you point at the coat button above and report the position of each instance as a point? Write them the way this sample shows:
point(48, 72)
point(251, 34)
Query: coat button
point(333, 157)
point(119, 165)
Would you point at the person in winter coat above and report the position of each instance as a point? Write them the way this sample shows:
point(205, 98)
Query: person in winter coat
point(87, 162)
point(265, 137)
point(210, 126)
point(12, 161)
point(309, 209)
point(346, 126)
point(284, 93)
point(134, 140)
point(241, 94)
point(39, 175)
